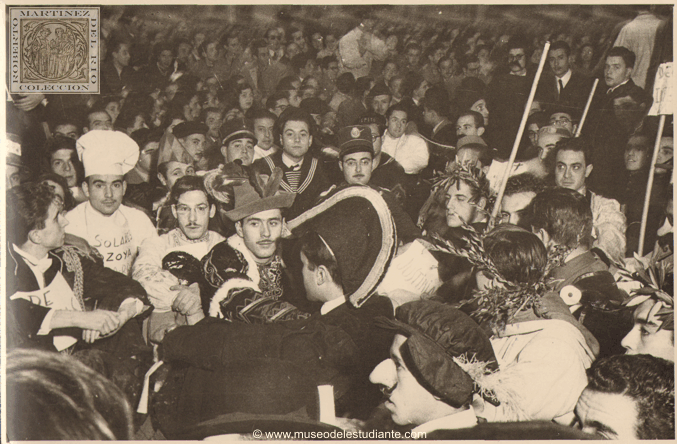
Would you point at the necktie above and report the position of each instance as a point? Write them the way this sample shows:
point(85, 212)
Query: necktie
point(561, 88)
point(296, 167)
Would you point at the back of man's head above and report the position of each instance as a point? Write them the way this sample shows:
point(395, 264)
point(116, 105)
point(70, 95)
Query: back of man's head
point(27, 206)
point(649, 381)
point(564, 215)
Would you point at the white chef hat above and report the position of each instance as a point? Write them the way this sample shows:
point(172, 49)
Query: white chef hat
point(107, 152)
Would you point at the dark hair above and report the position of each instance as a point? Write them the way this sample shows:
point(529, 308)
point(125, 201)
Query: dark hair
point(412, 81)
point(115, 44)
point(256, 44)
point(161, 47)
point(346, 83)
point(437, 99)
point(27, 208)
point(518, 42)
point(186, 184)
point(314, 248)
point(399, 106)
point(287, 83)
point(296, 115)
point(259, 113)
point(412, 45)
point(207, 111)
point(299, 61)
point(564, 214)
point(477, 117)
point(128, 116)
point(523, 183)
point(623, 52)
point(95, 109)
point(325, 61)
point(69, 201)
point(649, 381)
point(519, 255)
point(561, 44)
point(274, 97)
point(74, 402)
point(66, 120)
point(471, 58)
point(577, 144)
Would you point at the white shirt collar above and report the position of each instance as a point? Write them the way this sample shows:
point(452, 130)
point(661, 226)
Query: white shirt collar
point(461, 420)
point(288, 160)
point(617, 86)
point(565, 78)
point(330, 305)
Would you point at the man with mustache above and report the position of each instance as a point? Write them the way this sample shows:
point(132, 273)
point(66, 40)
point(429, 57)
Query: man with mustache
point(174, 302)
point(507, 95)
point(115, 230)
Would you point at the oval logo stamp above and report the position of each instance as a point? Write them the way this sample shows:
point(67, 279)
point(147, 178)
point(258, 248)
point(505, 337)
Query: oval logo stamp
point(54, 50)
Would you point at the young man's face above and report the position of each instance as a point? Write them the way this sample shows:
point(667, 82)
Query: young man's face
point(165, 59)
point(62, 165)
point(570, 170)
point(646, 337)
point(636, 153)
point(408, 402)
point(447, 69)
point(665, 150)
point(460, 206)
point(100, 120)
point(558, 61)
point(481, 107)
point(611, 415)
point(562, 120)
point(242, 149)
point(517, 60)
point(513, 206)
point(381, 104)
point(53, 234)
point(105, 192)
point(214, 121)
point(628, 112)
point(263, 130)
point(376, 138)
point(465, 126)
point(413, 56)
point(357, 168)
point(146, 156)
point(280, 106)
point(67, 130)
point(261, 233)
point(195, 145)
point(296, 139)
point(546, 143)
point(397, 122)
point(192, 212)
point(122, 56)
point(615, 71)
point(175, 171)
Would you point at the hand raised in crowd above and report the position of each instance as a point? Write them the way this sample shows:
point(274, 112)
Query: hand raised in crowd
point(29, 102)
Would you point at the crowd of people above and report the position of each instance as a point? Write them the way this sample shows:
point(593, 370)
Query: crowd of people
point(256, 213)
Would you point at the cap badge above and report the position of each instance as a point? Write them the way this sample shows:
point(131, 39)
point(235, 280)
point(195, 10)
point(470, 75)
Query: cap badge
point(355, 133)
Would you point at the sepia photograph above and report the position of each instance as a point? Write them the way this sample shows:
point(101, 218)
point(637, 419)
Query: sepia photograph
point(302, 222)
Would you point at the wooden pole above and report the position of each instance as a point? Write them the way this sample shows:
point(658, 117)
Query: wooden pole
point(649, 186)
point(520, 132)
point(586, 109)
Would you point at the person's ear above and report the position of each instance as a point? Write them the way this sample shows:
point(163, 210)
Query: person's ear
point(588, 170)
point(575, 128)
point(543, 236)
point(224, 152)
point(212, 211)
point(310, 140)
point(85, 188)
point(341, 165)
point(321, 275)
point(238, 229)
point(162, 180)
point(85, 130)
point(482, 202)
point(480, 131)
point(35, 237)
point(124, 187)
point(174, 213)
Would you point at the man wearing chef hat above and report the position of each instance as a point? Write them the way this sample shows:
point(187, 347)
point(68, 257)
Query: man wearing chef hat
point(114, 229)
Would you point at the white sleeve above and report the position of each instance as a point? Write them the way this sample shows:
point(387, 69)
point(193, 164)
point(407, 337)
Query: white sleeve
point(147, 270)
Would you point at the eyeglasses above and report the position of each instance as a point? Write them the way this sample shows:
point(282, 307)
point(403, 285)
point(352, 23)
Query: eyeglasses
point(374, 137)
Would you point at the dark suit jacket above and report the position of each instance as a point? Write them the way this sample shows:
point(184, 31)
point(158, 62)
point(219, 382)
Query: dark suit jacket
point(575, 92)
point(340, 348)
point(103, 288)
